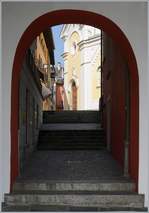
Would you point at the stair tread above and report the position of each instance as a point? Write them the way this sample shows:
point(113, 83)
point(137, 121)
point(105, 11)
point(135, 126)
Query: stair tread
point(71, 116)
point(73, 192)
point(69, 208)
point(71, 126)
point(95, 199)
point(104, 181)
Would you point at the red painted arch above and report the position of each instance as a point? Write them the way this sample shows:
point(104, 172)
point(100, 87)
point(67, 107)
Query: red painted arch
point(80, 17)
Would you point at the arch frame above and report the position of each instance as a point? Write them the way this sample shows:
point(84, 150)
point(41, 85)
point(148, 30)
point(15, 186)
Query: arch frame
point(76, 17)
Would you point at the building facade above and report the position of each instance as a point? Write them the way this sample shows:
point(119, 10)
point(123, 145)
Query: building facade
point(59, 84)
point(82, 66)
point(35, 93)
point(43, 51)
point(30, 109)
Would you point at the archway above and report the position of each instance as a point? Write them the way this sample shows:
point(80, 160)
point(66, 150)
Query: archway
point(81, 17)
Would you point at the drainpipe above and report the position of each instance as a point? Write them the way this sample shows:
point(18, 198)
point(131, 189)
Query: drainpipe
point(127, 123)
point(126, 159)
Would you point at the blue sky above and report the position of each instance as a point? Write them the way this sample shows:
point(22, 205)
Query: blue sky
point(59, 45)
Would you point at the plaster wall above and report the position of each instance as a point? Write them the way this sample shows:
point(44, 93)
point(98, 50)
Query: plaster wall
point(40, 52)
point(82, 64)
point(96, 91)
point(131, 17)
point(31, 107)
point(90, 60)
point(72, 68)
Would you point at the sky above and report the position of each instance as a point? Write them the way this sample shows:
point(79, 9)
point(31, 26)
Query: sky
point(59, 45)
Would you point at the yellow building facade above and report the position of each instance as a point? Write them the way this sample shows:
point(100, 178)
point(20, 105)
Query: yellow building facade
point(82, 66)
point(43, 48)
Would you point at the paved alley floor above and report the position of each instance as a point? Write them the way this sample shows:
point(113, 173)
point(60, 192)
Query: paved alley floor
point(72, 165)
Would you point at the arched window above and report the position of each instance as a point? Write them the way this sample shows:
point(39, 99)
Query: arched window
point(74, 48)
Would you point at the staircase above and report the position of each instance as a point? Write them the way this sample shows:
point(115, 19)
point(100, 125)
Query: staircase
point(71, 130)
point(72, 171)
point(73, 196)
point(71, 117)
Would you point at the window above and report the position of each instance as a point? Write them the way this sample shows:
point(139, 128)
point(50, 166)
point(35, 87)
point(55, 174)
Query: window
point(74, 48)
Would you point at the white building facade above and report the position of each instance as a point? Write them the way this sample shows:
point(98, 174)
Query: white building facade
point(82, 63)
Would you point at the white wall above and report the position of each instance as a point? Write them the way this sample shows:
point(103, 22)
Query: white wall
point(131, 17)
point(0, 113)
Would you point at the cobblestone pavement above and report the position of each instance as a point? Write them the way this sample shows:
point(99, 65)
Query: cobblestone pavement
point(71, 165)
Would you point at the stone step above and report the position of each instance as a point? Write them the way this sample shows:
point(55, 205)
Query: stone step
point(67, 208)
point(71, 135)
point(102, 200)
point(72, 192)
point(70, 126)
point(70, 140)
point(70, 147)
point(73, 132)
point(109, 185)
point(73, 142)
point(71, 117)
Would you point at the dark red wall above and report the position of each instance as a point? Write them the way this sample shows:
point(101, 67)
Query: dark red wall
point(118, 104)
point(114, 88)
